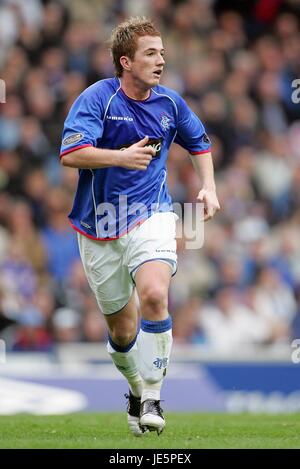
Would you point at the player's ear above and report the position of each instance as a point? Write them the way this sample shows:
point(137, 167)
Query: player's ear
point(125, 62)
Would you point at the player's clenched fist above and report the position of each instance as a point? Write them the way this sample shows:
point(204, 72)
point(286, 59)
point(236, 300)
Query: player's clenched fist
point(138, 155)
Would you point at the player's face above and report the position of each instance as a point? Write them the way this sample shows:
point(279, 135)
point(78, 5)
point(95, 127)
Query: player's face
point(148, 62)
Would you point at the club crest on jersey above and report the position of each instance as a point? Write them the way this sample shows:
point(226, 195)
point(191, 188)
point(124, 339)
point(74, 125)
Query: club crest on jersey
point(165, 122)
point(155, 143)
point(161, 362)
point(74, 138)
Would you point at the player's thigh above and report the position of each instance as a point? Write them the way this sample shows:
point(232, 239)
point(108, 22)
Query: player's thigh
point(108, 278)
point(152, 281)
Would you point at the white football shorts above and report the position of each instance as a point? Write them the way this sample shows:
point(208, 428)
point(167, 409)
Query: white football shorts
point(110, 266)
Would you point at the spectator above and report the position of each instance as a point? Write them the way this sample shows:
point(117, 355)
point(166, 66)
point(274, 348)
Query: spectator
point(234, 62)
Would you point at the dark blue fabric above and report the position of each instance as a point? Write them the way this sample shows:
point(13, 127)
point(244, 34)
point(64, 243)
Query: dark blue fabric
point(156, 326)
point(119, 348)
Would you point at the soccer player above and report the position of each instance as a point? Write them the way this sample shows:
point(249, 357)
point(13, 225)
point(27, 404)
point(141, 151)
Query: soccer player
point(118, 133)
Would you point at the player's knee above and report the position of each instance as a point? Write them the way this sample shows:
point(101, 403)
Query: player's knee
point(154, 298)
point(122, 337)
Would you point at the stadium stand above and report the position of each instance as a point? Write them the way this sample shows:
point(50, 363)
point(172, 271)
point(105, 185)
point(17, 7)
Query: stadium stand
point(235, 68)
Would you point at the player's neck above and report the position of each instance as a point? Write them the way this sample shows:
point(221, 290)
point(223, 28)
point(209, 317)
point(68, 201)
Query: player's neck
point(134, 90)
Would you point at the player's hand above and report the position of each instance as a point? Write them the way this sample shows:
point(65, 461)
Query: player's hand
point(211, 204)
point(137, 156)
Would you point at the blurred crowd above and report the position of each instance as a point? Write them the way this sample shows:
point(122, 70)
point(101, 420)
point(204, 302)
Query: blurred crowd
point(235, 63)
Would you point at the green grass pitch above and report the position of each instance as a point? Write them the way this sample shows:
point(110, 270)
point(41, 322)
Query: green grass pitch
point(183, 430)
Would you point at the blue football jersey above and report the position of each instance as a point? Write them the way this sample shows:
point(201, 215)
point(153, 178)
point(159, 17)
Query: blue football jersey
point(111, 201)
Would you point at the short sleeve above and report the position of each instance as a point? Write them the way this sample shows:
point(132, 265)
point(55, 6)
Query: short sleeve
point(84, 124)
point(191, 133)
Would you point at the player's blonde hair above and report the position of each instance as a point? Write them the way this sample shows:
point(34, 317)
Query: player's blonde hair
point(124, 37)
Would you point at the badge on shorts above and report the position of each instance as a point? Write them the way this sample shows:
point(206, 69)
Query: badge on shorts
point(74, 138)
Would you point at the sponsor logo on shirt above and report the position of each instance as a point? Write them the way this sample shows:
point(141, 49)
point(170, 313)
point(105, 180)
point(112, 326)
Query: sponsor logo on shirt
point(120, 118)
point(155, 143)
point(74, 138)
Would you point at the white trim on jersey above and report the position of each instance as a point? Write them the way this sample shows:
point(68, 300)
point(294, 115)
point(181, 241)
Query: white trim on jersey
point(161, 186)
point(94, 203)
point(93, 176)
point(108, 104)
point(162, 94)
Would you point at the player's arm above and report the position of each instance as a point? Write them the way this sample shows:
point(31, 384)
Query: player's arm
point(191, 135)
point(137, 156)
point(82, 137)
point(203, 165)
